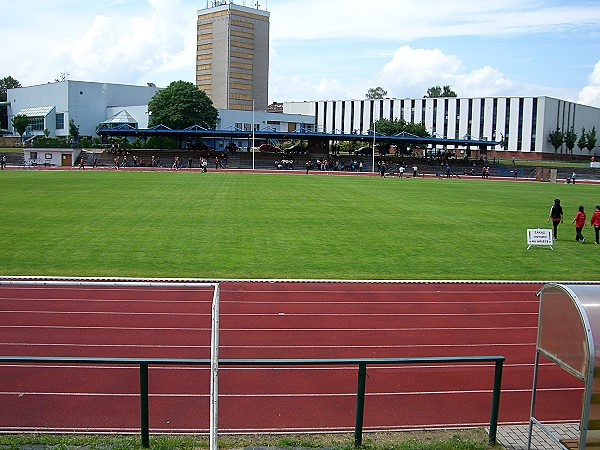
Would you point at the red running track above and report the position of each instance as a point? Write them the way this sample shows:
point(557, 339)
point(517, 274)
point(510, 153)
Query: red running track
point(275, 320)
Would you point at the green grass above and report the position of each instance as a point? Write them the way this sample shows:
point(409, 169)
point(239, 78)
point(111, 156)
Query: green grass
point(11, 150)
point(232, 225)
point(475, 439)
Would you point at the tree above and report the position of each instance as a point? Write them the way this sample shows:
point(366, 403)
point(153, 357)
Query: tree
point(6, 83)
point(556, 139)
point(181, 105)
point(20, 123)
point(397, 126)
point(73, 130)
point(437, 91)
point(376, 93)
point(570, 139)
point(582, 142)
point(591, 139)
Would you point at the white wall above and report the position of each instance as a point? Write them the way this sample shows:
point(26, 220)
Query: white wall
point(87, 103)
point(514, 118)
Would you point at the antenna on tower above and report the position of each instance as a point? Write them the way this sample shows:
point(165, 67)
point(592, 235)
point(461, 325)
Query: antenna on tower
point(257, 5)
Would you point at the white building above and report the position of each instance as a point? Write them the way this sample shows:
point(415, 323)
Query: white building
point(523, 123)
point(51, 106)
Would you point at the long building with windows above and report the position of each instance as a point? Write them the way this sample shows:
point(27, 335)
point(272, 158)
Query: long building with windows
point(232, 58)
point(523, 124)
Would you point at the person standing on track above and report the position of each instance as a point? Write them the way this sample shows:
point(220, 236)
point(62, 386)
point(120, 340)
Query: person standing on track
point(595, 222)
point(579, 221)
point(556, 215)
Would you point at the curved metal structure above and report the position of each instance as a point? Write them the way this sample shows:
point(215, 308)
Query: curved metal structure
point(568, 330)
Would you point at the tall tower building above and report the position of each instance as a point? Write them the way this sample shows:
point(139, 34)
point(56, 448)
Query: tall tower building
point(232, 57)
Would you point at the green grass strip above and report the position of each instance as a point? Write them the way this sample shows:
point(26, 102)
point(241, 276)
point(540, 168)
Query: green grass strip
point(474, 439)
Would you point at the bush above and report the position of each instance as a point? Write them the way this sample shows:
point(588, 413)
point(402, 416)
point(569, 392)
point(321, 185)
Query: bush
point(165, 142)
point(85, 142)
point(49, 142)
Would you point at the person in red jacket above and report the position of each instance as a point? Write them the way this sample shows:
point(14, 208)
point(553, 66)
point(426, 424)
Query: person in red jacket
point(579, 221)
point(595, 222)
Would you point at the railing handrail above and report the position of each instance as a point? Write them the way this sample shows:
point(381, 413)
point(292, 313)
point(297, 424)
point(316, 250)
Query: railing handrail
point(255, 362)
point(362, 372)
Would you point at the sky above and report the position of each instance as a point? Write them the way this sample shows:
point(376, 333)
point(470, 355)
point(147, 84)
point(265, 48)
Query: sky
point(322, 49)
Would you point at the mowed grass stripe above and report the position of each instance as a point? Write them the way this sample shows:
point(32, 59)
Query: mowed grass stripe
point(232, 225)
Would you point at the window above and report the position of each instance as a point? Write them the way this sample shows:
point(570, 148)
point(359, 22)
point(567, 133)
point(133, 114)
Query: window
point(534, 123)
point(36, 123)
point(60, 121)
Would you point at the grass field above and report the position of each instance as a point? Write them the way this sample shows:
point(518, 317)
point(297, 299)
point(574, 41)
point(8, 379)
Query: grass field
point(232, 225)
point(473, 439)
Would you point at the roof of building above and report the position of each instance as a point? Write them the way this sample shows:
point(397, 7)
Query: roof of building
point(121, 117)
point(38, 111)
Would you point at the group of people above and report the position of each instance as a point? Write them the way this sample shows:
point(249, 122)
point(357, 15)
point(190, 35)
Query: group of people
point(285, 164)
point(82, 163)
point(334, 165)
point(580, 220)
point(202, 163)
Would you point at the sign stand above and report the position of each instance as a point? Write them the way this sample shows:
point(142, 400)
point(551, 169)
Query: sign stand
point(538, 236)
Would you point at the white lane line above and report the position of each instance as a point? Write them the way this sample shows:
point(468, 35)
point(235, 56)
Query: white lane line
point(64, 327)
point(280, 395)
point(316, 346)
point(103, 300)
point(112, 313)
point(277, 314)
point(274, 302)
point(281, 330)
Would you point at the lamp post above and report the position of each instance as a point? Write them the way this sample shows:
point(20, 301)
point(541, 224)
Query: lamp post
point(253, 127)
point(373, 168)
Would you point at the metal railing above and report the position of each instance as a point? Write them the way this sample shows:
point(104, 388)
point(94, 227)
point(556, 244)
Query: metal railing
point(360, 362)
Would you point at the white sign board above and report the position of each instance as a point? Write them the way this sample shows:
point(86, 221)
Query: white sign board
point(537, 236)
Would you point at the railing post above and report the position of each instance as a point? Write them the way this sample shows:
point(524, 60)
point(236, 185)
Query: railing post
point(145, 423)
point(495, 402)
point(360, 404)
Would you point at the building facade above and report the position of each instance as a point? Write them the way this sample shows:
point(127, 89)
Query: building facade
point(232, 58)
point(523, 124)
point(52, 106)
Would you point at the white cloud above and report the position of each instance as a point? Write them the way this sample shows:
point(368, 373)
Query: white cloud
point(301, 89)
point(412, 71)
point(590, 94)
point(126, 45)
point(417, 67)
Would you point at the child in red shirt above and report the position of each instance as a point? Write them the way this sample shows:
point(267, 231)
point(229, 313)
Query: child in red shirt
point(579, 221)
point(596, 222)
